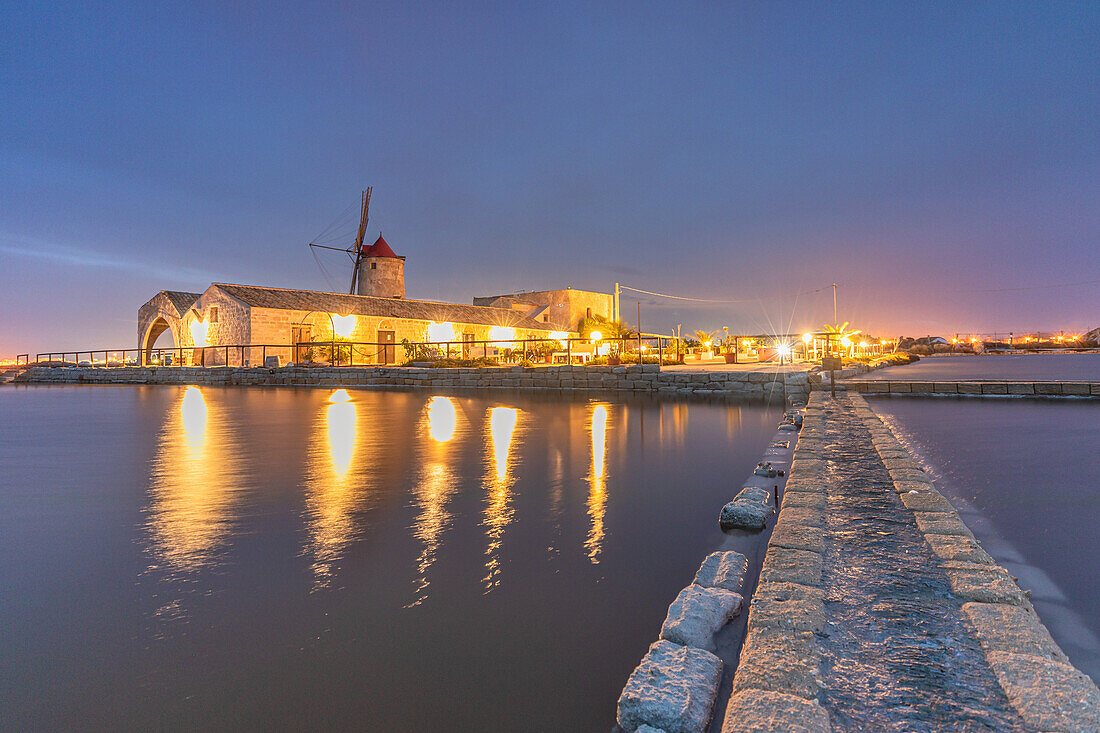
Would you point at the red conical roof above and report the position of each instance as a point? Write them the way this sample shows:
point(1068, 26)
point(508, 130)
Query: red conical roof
point(379, 249)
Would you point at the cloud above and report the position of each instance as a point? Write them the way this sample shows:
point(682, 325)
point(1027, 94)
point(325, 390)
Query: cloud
point(20, 246)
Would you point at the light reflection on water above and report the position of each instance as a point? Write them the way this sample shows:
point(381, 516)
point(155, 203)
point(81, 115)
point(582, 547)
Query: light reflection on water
point(192, 488)
point(334, 491)
point(498, 485)
point(434, 489)
point(597, 483)
point(295, 531)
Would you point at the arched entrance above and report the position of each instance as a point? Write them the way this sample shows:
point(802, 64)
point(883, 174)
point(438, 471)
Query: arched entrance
point(149, 344)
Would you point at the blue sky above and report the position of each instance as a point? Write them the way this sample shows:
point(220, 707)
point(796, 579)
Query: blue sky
point(921, 155)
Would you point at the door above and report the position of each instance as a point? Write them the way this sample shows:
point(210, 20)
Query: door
point(300, 335)
point(387, 350)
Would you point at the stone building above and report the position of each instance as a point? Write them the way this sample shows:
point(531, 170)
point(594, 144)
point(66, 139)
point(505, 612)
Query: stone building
point(561, 309)
point(259, 322)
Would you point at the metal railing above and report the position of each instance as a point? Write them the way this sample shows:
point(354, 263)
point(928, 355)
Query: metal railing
point(652, 348)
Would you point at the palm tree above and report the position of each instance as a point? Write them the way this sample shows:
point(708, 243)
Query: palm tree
point(840, 335)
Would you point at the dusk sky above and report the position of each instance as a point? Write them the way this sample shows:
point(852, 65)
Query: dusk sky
point(940, 161)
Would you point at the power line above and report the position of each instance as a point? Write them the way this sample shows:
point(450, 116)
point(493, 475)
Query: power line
point(707, 300)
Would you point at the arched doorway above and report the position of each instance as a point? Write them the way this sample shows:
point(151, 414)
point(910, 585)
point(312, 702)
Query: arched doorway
point(155, 340)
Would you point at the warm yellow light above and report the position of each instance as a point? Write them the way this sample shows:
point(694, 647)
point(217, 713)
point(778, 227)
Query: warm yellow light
point(595, 335)
point(954, 341)
point(863, 344)
point(502, 423)
point(784, 349)
point(502, 335)
point(807, 338)
point(343, 326)
point(846, 342)
point(706, 344)
point(440, 332)
point(193, 415)
point(559, 336)
point(341, 435)
point(441, 419)
point(645, 347)
point(340, 395)
point(198, 332)
point(973, 340)
point(597, 487)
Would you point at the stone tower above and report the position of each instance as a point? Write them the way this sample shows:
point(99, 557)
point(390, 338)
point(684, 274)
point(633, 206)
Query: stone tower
point(381, 272)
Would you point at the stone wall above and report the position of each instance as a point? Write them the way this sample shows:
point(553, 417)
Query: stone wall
point(977, 389)
point(645, 379)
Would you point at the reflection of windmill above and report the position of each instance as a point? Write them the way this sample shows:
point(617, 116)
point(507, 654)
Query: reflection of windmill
point(356, 250)
point(376, 270)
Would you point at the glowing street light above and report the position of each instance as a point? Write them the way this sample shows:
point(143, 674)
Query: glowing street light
point(595, 336)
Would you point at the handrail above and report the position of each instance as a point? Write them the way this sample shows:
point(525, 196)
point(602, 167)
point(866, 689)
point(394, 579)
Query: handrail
point(369, 352)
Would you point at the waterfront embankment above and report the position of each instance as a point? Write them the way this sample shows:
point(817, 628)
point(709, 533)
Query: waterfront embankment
point(977, 388)
point(877, 609)
point(762, 385)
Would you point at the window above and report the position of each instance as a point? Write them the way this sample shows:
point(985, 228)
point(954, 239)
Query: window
point(213, 314)
point(545, 318)
point(589, 311)
point(374, 265)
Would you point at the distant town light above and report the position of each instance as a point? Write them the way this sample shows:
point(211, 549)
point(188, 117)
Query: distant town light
point(863, 344)
point(343, 326)
point(845, 342)
point(595, 335)
point(807, 338)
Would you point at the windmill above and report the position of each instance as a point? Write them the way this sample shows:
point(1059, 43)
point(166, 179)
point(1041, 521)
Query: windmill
point(356, 250)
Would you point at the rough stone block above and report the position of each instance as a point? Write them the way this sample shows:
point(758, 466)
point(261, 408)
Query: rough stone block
point(779, 660)
point(1048, 388)
point(983, 583)
point(763, 711)
point(1002, 627)
point(786, 565)
point(941, 523)
point(970, 388)
point(1049, 695)
point(814, 499)
point(723, 570)
point(673, 689)
point(787, 606)
point(957, 547)
point(698, 613)
point(797, 536)
point(1021, 388)
point(1075, 388)
point(925, 501)
point(748, 510)
point(994, 388)
point(809, 516)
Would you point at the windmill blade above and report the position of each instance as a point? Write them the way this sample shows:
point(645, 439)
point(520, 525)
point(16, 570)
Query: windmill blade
point(363, 216)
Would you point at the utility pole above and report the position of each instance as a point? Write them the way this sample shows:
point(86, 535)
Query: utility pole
point(615, 305)
point(835, 321)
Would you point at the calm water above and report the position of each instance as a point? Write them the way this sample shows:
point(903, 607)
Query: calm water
point(1068, 367)
point(1026, 475)
point(229, 558)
